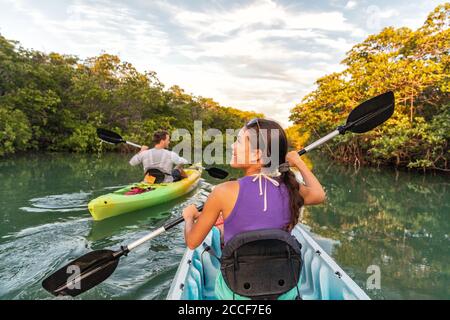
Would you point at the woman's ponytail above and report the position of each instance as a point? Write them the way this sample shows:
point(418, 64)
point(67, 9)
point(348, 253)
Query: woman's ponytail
point(295, 199)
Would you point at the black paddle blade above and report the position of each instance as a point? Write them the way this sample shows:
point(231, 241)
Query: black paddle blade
point(371, 113)
point(109, 136)
point(82, 274)
point(217, 173)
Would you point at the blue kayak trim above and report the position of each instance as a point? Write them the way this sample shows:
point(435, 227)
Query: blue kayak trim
point(321, 277)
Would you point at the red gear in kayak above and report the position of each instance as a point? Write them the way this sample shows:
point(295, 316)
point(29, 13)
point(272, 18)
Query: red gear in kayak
point(219, 221)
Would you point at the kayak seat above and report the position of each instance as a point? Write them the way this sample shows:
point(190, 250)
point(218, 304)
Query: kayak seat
point(262, 264)
point(158, 174)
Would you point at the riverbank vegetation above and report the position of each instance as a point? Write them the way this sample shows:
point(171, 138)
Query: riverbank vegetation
point(413, 64)
point(54, 102)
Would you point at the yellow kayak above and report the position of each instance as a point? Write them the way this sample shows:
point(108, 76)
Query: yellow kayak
point(117, 203)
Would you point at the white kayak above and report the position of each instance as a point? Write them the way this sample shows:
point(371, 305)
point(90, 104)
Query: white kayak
point(321, 277)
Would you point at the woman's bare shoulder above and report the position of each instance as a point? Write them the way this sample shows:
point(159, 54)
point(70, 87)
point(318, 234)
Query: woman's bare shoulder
point(226, 195)
point(225, 188)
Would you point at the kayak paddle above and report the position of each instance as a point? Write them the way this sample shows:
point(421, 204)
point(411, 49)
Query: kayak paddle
point(94, 267)
point(366, 116)
point(115, 138)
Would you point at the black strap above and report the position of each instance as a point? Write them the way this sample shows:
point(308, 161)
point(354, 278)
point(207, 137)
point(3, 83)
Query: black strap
point(293, 273)
point(211, 251)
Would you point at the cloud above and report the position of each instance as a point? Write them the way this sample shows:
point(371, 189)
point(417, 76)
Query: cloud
point(267, 14)
point(94, 26)
point(263, 54)
point(339, 44)
point(351, 4)
point(385, 14)
point(256, 55)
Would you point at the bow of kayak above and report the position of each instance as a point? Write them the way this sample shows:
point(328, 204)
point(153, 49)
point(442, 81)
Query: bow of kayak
point(117, 203)
point(321, 277)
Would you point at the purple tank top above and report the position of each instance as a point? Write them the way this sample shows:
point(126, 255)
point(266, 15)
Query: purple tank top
point(248, 213)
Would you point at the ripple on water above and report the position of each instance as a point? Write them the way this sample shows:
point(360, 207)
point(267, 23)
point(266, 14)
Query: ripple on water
point(32, 254)
point(66, 202)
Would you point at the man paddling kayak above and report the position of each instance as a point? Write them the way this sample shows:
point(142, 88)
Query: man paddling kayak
point(159, 160)
point(267, 197)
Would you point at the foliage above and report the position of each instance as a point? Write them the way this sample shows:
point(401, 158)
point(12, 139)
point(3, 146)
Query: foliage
point(15, 131)
point(413, 64)
point(55, 102)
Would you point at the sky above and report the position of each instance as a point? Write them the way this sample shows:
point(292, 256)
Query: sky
point(260, 55)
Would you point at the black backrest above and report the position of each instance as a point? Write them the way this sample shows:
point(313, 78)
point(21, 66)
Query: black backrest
point(262, 264)
point(158, 174)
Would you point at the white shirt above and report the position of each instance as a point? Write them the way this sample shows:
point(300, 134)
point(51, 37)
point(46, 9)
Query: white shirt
point(161, 159)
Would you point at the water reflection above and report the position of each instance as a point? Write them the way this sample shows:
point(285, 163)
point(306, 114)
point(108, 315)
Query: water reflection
point(396, 220)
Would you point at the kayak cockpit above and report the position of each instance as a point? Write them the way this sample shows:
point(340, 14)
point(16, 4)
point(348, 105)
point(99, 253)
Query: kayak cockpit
point(321, 278)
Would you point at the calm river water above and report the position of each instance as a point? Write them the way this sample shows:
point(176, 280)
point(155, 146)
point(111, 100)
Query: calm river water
point(398, 221)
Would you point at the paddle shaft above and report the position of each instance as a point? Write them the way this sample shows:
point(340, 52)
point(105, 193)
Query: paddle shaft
point(317, 143)
point(139, 146)
point(133, 144)
point(157, 232)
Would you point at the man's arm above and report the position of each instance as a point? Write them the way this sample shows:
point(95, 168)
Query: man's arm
point(137, 158)
point(177, 160)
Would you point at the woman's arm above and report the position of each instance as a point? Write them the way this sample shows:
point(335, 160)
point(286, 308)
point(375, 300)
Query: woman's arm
point(312, 192)
point(196, 231)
